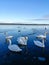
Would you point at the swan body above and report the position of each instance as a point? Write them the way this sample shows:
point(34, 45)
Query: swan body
point(39, 44)
point(9, 37)
point(22, 40)
point(12, 47)
point(42, 36)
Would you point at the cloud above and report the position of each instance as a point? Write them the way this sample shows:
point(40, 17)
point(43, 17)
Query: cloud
point(41, 19)
point(46, 16)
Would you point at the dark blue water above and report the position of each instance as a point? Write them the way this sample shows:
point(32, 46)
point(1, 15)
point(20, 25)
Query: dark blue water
point(31, 54)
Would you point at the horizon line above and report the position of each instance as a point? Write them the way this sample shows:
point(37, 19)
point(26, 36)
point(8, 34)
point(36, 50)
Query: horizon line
point(23, 24)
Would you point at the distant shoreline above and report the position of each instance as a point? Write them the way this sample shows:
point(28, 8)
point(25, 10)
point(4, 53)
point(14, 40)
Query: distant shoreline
point(20, 24)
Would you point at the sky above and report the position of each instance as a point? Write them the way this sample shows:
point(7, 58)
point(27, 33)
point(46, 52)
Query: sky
point(24, 11)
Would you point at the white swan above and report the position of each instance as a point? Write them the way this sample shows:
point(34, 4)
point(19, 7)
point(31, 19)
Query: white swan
point(12, 47)
point(40, 44)
point(42, 36)
point(22, 40)
point(9, 37)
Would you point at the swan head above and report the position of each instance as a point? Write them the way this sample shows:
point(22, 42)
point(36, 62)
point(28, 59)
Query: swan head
point(5, 33)
point(45, 33)
point(26, 38)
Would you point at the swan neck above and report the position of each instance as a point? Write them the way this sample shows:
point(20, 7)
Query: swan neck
point(43, 41)
point(9, 40)
point(45, 34)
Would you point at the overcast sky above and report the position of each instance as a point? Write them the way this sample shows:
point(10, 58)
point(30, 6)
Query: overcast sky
point(24, 11)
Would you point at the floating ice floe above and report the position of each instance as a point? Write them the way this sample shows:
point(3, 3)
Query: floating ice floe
point(22, 40)
point(41, 59)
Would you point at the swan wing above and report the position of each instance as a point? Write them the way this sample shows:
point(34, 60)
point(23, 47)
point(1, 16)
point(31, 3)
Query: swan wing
point(14, 48)
point(38, 43)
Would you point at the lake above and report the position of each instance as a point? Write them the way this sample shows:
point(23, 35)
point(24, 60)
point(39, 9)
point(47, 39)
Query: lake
point(30, 54)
